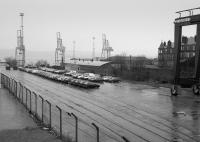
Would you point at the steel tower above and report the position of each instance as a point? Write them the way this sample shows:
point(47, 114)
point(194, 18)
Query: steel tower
point(60, 51)
point(20, 49)
point(93, 48)
point(74, 47)
point(106, 49)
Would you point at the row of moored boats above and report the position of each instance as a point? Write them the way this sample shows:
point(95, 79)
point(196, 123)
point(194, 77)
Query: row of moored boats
point(85, 80)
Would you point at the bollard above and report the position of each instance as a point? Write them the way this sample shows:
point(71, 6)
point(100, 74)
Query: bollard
point(97, 128)
point(125, 139)
point(42, 107)
point(60, 121)
point(76, 122)
point(49, 114)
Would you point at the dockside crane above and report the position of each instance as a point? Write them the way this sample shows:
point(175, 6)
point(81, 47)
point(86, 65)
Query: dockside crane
point(60, 51)
point(106, 49)
point(20, 49)
point(93, 48)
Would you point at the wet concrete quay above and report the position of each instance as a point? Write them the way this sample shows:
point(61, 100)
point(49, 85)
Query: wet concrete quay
point(138, 112)
point(12, 114)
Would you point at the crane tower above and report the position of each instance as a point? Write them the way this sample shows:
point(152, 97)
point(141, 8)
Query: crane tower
point(106, 49)
point(20, 49)
point(60, 51)
point(93, 48)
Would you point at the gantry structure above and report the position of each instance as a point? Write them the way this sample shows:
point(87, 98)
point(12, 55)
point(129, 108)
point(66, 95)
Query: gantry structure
point(20, 49)
point(106, 49)
point(186, 75)
point(60, 51)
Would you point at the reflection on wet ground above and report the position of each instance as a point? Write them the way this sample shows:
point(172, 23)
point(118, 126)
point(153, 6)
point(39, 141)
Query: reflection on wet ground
point(139, 112)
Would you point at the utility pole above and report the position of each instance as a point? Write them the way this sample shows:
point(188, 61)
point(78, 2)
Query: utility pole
point(93, 48)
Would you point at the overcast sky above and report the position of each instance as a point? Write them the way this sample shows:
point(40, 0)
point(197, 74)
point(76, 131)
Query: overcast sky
point(135, 27)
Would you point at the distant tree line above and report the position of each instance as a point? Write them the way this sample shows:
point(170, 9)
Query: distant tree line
point(12, 62)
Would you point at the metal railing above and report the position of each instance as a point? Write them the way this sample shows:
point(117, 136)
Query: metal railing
point(65, 125)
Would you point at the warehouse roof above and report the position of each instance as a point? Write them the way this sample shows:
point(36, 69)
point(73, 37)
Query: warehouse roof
point(88, 63)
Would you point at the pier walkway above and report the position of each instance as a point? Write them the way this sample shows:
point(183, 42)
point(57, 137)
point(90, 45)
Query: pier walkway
point(12, 114)
point(15, 123)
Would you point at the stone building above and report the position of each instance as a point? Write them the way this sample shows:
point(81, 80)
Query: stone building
point(166, 52)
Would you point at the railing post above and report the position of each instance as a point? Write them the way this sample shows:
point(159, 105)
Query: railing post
point(49, 114)
point(42, 107)
point(22, 94)
point(9, 84)
point(60, 110)
point(1, 77)
point(76, 122)
point(16, 90)
point(30, 101)
point(97, 128)
point(35, 104)
point(12, 86)
point(26, 98)
point(125, 139)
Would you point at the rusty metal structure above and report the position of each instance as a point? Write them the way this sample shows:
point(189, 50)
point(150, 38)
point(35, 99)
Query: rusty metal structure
point(60, 51)
point(106, 49)
point(20, 49)
point(186, 72)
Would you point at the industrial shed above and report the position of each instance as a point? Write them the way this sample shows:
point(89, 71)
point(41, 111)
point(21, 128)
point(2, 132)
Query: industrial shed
point(99, 67)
